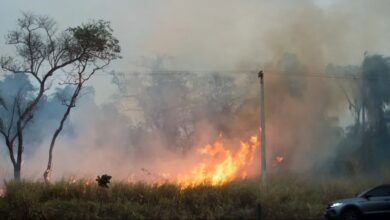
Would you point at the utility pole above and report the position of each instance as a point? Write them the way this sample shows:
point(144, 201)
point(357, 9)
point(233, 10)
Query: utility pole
point(262, 131)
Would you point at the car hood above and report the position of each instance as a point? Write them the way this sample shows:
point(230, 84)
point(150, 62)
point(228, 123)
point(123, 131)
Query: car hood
point(350, 200)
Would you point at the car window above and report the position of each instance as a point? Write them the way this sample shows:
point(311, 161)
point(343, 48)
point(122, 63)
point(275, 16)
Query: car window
point(380, 191)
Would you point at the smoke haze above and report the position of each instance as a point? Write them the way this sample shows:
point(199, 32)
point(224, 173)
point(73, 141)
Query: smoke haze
point(216, 46)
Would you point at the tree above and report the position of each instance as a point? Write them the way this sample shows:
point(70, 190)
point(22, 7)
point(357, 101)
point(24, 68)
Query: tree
point(352, 91)
point(376, 75)
point(376, 99)
point(173, 105)
point(41, 52)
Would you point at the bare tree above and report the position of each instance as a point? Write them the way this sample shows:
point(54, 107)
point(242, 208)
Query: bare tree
point(41, 52)
point(99, 33)
point(173, 103)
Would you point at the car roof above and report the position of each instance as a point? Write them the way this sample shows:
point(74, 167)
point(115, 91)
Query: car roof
point(386, 185)
point(369, 189)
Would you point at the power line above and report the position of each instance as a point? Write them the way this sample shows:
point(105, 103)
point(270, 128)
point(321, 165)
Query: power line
point(343, 76)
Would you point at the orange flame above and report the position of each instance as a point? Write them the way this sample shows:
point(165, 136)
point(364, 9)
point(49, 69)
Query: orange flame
point(279, 159)
point(88, 183)
point(221, 165)
point(2, 193)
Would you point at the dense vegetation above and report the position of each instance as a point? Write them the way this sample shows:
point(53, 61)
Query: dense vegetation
point(283, 198)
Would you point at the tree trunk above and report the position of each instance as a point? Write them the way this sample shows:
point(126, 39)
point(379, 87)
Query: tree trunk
point(17, 171)
point(18, 167)
point(46, 174)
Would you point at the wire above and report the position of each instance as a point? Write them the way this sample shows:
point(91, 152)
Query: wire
point(343, 76)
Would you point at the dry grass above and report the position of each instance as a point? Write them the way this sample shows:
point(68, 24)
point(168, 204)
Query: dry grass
point(284, 198)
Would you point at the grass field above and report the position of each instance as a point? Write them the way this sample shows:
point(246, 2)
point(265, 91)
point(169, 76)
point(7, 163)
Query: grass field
point(284, 198)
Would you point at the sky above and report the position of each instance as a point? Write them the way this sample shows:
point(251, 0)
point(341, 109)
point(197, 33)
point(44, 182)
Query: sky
point(124, 16)
point(220, 34)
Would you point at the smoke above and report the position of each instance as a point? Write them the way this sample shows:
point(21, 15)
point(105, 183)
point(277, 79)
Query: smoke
point(157, 117)
point(288, 39)
point(230, 34)
point(17, 90)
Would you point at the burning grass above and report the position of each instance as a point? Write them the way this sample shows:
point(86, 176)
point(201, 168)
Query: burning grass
point(221, 165)
point(284, 198)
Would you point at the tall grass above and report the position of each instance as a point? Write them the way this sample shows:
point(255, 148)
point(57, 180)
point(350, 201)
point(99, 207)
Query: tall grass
point(283, 198)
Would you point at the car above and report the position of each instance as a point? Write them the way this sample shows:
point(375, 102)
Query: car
point(372, 203)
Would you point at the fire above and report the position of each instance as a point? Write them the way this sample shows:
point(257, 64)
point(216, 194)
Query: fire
point(72, 180)
point(279, 159)
point(88, 183)
point(131, 179)
point(220, 165)
point(2, 193)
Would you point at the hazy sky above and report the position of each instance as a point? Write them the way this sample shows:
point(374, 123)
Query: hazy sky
point(130, 20)
point(222, 34)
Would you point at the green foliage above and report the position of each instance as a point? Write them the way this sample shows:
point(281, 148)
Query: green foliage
point(94, 40)
point(283, 198)
point(103, 180)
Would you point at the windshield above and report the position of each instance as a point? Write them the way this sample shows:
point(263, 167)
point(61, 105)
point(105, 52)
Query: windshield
point(364, 192)
point(383, 190)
